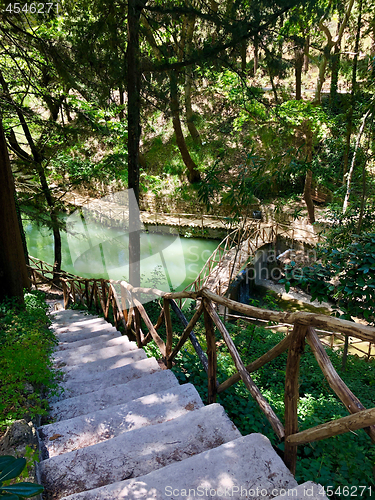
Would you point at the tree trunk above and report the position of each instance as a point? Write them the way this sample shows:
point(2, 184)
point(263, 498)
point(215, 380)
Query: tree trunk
point(256, 55)
point(189, 110)
point(13, 271)
point(243, 55)
point(188, 80)
point(350, 173)
point(349, 127)
point(328, 47)
point(134, 104)
point(274, 89)
point(321, 77)
point(335, 68)
point(54, 222)
point(194, 175)
point(306, 52)
point(308, 179)
point(298, 65)
point(122, 102)
point(36, 160)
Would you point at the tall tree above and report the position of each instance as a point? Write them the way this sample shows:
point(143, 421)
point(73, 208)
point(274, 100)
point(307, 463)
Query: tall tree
point(133, 88)
point(13, 271)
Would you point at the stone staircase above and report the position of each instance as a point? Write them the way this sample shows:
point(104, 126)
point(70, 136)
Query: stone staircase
point(125, 428)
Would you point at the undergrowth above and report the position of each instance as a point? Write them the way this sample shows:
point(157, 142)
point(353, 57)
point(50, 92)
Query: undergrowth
point(344, 460)
point(26, 372)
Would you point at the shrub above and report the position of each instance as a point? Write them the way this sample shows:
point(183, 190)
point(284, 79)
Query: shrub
point(25, 368)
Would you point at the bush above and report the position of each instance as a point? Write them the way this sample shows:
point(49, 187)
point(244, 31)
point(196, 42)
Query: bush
point(25, 368)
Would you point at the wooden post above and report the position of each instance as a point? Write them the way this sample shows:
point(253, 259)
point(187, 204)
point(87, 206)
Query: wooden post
point(73, 292)
point(104, 294)
point(211, 355)
point(137, 327)
point(168, 327)
point(291, 396)
point(65, 294)
point(87, 293)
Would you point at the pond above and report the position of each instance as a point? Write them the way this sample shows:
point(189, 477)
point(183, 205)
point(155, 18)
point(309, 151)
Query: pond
point(96, 251)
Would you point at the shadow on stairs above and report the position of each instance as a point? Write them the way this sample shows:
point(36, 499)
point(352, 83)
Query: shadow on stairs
point(124, 428)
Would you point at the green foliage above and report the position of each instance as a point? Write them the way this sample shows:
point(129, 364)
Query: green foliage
point(25, 368)
point(345, 274)
point(11, 468)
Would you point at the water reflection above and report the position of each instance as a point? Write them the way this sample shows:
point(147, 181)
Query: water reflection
point(96, 251)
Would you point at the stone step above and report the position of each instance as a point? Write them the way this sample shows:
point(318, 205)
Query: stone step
point(63, 314)
point(137, 452)
point(63, 346)
point(99, 381)
point(248, 462)
point(93, 428)
point(61, 319)
point(62, 325)
point(93, 352)
point(85, 371)
point(73, 334)
point(113, 396)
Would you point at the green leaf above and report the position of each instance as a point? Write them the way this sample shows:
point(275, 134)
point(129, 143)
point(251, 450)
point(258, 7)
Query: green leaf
point(13, 470)
point(24, 489)
point(8, 496)
point(287, 286)
point(5, 461)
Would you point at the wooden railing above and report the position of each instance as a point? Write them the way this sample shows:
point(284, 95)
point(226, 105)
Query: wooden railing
point(234, 252)
point(41, 272)
point(128, 309)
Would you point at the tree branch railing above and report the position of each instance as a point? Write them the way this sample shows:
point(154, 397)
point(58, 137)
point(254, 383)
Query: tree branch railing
point(128, 310)
point(234, 251)
point(41, 272)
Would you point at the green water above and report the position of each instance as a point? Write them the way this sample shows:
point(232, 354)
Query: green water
point(96, 251)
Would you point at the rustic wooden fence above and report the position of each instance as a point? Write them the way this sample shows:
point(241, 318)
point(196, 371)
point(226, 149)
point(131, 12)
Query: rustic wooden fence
point(41, 272)
point(236, 248)
point(128, 309)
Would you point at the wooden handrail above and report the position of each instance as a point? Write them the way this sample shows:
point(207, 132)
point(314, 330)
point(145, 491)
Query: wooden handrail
point(351, 402)
point(245, 376)
point(258, 363)
point(364, 418)
point(291, 394)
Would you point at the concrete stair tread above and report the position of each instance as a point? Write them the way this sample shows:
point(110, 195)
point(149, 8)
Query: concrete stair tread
point(86, 370)
point(127, 429)
point(96, 427)
point(60, 326)
point(99, 381)
point(65, 346)
point(113, 396)
point(70, 313)
point(93, 352)
point(248, 462)
point(136, 452)
point(72, 335)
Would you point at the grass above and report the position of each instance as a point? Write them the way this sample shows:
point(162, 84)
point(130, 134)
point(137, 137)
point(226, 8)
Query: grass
point(25, 368)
